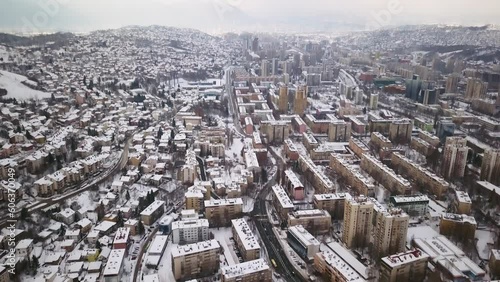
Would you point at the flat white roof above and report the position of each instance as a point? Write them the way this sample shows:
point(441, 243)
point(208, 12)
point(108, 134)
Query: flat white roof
point(114, 264)
point(153, 207)
point(292, 177)
point(245, 234)
point(223, 202)
point(335, 196)
point(158, 245)
point(405, 258)
point(194, 223)
point(121, 235)
point(306, 238)
point(242, 269)
point(282, 197)
point(195, 248)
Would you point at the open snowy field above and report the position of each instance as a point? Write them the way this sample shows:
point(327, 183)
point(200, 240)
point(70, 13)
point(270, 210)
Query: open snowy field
point(15, 89)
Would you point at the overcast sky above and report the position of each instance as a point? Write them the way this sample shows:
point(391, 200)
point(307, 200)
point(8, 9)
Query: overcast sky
point(84, 15)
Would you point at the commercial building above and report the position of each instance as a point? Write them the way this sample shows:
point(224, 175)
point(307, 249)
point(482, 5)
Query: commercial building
point(153, 212)
point(455, 157)
point(332, 203)
point(221, 212)
point(459, 225)
point(426, 179)
point(406, 266)
point(385, 176)
point(251, 271)
point(490, 168)
point(315, 221)
point(190, 231)
point(412, 205)
point(302, 242)
point(245, 240)
point(293, 185)
point(390, 231)
point(281, 202)
point(195, 260)
point(358, 213)
point(449, 260)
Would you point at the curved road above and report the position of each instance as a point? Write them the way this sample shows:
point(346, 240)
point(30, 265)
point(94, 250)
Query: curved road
point(59, 198)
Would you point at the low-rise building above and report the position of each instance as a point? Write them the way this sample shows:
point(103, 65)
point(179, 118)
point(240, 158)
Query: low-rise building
point(336, 264)
point(121, 238)
point(406, 266)
point(114, 266)
point(315, 221)
point(302, 242)
point(412, 205)
point(251, 271)
point(459, 225)
point(153, 212)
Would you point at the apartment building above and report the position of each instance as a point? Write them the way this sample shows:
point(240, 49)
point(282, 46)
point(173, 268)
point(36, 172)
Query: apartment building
point(246, 241)
point(455, 157)
point(490, 168)
point(292, 184)
point(336, 264)
point(221, 212)
point(358, 147)
point(386, 176)
point(358, 213)
point(339, 131)
point(462, 202)
point(195, 260)
point(276, 131)
point(494, 263)
point(282, 202)
point(460, 225)
point(426, 179)
point(153, 212)
point(251, 271)
point(400, 131)
point(379, 141)
point(412, 205)
point(332, 203)
point(405, 266)
point(315, 221)
point(352, 175)
point(190, 231)
point(195, 197)
point(320, 182)
point(391, 229)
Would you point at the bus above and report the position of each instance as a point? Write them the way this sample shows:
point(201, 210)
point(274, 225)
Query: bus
point(274, 263)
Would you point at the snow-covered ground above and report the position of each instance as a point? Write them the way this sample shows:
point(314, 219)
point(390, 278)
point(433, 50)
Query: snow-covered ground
point(15, 89)
point(222, 235)
point(484, 243)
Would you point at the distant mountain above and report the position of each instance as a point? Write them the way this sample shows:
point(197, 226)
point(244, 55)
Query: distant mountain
point(15, 40)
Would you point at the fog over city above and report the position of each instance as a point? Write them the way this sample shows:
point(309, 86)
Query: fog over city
point(236, 15)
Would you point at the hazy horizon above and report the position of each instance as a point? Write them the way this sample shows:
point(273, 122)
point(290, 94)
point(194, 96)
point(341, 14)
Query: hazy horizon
point(235, 15)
